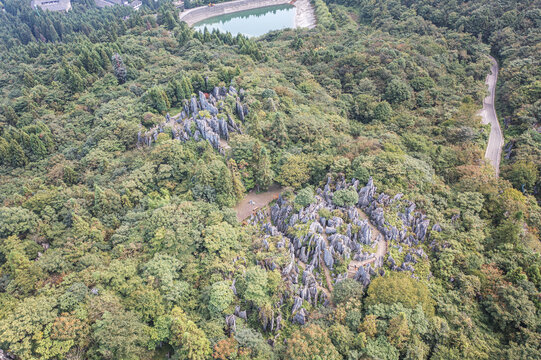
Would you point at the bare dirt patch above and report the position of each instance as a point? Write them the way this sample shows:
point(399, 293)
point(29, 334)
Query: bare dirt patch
point(254, 201)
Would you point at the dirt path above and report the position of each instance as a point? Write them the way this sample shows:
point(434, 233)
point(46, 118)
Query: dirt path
point(254, 201)
point(488, 113)
point(381, 249)
point(319, 287)
point(224, 144)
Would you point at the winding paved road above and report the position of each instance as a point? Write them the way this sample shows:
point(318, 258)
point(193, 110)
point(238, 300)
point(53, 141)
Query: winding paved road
point(488, 113)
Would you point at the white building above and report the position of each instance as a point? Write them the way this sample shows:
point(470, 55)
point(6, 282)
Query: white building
point(52, 5)
point(135, 4)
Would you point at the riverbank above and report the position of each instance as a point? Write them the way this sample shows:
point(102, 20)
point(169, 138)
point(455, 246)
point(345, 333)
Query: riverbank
point(304, 16)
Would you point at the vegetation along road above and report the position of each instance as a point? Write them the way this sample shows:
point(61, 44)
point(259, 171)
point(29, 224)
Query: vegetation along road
point(495, 140)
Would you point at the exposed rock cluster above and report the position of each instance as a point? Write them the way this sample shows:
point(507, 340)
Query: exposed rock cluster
point(321, 235)
point(4, 355)
point(202, 118)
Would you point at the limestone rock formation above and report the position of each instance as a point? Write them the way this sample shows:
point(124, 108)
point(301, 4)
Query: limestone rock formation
point(318, 243)
point(200, 119)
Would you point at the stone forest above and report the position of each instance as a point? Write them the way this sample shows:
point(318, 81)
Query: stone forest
point(207, 122)
point(270, 179)
point(326, 234)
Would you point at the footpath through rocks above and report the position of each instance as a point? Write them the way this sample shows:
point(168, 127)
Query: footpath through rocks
point(319, 286)
point(381, 249)
point(313, 242)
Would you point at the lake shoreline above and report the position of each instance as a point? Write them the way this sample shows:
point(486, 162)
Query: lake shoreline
point(252, 23)
point(304, 16)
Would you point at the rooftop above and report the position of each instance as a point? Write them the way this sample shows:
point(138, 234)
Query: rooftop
point(52, 5)
point(136, 4)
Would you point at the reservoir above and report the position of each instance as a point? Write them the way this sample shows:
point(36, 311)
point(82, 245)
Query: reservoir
point(255, 22)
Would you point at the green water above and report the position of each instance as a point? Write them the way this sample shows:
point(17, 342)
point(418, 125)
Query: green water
point(255, 22)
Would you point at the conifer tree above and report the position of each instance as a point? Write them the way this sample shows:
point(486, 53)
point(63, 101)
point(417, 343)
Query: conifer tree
point(158, 99)
point(16, 154)
point(186, 87)
point(278, 131)
point(10, 115)
point(262, 170)
point(73, 78)
point(238, 186)
point(119, 68)
point(4, 152)
point(198, 82)
point(37, 147)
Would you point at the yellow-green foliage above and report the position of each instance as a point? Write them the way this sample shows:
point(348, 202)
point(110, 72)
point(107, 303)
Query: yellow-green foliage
point(400, 288)
point(341, 266)
point(299, 230)
point(397, 256)
point(325, 213)
point(324, 17)
point(392, 218)
point(422, 268)
point(369, 249)
point(103, 242)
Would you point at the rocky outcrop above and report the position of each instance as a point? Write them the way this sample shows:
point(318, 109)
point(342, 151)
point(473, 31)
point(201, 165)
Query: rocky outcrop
point(4, 355)
point(317, 243)
point(202, 118)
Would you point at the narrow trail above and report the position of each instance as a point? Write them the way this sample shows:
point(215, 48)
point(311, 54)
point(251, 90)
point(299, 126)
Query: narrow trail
point(328, 277)
point(381, 249)
point(488, 113)
point(319, 287)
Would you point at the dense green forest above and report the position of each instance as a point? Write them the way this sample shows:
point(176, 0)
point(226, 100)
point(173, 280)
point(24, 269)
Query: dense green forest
point(118, 234)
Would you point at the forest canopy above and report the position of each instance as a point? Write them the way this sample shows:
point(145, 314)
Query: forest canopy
point(127, 141)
